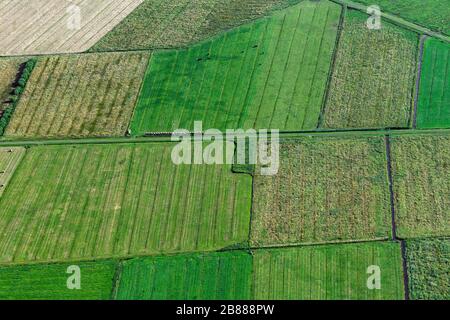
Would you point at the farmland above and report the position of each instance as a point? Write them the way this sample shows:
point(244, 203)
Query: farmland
point(119, 200)
point(202, 276)
point(174, 23)
point(8, 71)
point(79, 96)
point(428, 265)
point(434, 99)
point(9, 160)
point(328, 272)
point(434, 15)
point(49, 282)
point(279, 84)
point(373, 78)
point(327, 189)
point(53, 26)
point(421, 167)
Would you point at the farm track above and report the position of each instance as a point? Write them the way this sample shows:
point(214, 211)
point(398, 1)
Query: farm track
point(47, 28)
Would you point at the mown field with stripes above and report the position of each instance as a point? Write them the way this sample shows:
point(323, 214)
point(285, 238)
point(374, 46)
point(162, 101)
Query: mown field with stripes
point(119, 200)
point(327, 189)
point(434, 99)
point(10, 158)
point(53, 26)
point(79, 96)
point(269, 74)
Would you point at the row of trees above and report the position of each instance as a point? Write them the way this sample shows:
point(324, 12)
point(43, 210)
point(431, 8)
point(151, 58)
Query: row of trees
point(17, 91)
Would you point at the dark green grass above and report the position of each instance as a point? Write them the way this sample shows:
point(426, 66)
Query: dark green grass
point(433, 14)
point(38, 282)
point(268, 74)
point(190, 277)
point(428, 269)
point(329, 272)
point(433, 109)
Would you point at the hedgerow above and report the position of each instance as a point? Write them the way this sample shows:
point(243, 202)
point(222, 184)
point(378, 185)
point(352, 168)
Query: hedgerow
point(17, 90)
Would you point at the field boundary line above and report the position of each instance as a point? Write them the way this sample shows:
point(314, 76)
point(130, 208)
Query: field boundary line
point(391, 186)
point(397, 20)
point(332, 65)
point(116, 279)
point(405, 269)
point(422, 40)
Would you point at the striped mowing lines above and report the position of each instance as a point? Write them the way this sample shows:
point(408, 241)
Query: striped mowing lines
point(373, 77)
point(215, 276)
point(51, 26)
point(326, 190)
point(38, 282)
point(312, 272)
point(119, 200)
point(79, 96)
point(268, 74)
point(434, 98)
point(9, 160)
point(332, 272)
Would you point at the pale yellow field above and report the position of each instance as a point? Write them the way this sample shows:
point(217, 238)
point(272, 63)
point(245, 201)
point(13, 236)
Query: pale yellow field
point(8, 71)
point(51, 26)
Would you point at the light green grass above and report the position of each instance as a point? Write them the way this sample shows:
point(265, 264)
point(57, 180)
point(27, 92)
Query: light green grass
point(268, 74)
point(428, 266)
point(9, 160)
point(433, 109)
point(433, 14)
point(326, 190)
point(174, 23)
point(81, 202)
point(420, 167)
point(79, 96)
point(331, 272)
point(49, 282)
point(191, 277)
point(373, 79)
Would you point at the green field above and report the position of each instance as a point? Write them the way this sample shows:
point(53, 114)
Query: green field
point(326, 190)
point(428, 266)
point(116, 201)
point(49, 282)
point(269, 74)
point(174, 23)
point(420, 167)
point(9, 160)
point(433, 109)
point(328, 272)
point(191, 277)
point(433, 14)
point(79, 95)
point(373, 79)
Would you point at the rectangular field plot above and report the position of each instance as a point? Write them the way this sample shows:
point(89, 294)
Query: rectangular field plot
point(326, 190)
point(328, 272)
point(119, 201)
point(9, 160)
point(268, 74)
point(373, 79)
point(80, 95)
point(433, 14)
point(428, 267)
point(421, 167)
point(191, 277)
point(39, 282)
point(433, 110)
point(174, 23)
point(54, 26)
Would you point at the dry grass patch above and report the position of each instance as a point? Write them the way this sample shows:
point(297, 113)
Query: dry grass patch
point(327, 189)
point(79, 96)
